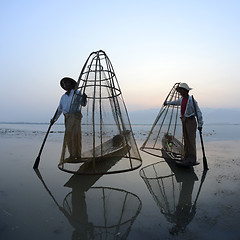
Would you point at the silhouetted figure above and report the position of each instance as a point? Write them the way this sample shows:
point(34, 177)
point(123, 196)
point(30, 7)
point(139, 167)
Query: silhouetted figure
point(189, 123)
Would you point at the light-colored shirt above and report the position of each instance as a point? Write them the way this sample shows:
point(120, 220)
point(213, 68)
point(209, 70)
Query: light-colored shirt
point(66, 101)
point(190, 111)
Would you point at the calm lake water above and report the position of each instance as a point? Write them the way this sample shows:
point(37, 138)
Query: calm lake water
point(211, 132)
point(156, 201)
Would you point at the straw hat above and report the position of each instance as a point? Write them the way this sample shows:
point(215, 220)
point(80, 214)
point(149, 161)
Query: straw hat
point(185, 86)
point(67, 79)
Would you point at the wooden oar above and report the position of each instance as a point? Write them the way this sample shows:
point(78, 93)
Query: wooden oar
point(205, 165)
point(35, 166)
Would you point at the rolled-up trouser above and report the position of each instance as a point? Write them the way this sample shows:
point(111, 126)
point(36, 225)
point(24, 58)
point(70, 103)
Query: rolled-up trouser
point(73, 135)
point(189, 126)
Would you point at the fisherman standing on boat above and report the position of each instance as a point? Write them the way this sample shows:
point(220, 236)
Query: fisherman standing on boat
point(70, 105)
point(189, 123)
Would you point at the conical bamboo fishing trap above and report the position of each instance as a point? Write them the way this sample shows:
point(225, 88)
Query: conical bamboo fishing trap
point(166, 132)
point(100, 132)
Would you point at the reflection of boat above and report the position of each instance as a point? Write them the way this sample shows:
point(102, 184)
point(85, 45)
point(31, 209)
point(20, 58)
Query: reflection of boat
point(97, 212)
point(172, 190)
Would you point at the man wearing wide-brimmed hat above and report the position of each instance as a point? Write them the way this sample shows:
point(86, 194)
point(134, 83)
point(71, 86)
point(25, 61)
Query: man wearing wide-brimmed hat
point(70, 105)
point(189, 122)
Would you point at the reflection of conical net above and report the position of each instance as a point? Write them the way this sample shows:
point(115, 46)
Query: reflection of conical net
point(104, 132)
point(172, 192)
point(97, 212)
point(166, 132)
point(163, 186)
point(102, 212)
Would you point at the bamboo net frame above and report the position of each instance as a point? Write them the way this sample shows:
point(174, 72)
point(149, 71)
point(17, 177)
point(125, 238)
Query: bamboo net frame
point(166, 132)
point(103, 134)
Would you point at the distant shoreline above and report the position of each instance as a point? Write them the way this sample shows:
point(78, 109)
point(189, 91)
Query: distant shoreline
point(220, 116)
point(46, 123)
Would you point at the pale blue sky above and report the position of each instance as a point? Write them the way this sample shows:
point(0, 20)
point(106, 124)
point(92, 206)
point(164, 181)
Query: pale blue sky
point(151, 44)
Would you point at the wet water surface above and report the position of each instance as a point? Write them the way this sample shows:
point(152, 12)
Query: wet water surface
point(157, 201)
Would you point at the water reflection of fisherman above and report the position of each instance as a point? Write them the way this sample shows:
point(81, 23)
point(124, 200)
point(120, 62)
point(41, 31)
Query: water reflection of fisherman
point(75, 209)
point(162, 185)
point(70, 105)
point(185, 209)
point(77, 213)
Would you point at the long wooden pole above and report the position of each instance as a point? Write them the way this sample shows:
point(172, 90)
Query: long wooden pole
point(205, 165)
point(35, 166)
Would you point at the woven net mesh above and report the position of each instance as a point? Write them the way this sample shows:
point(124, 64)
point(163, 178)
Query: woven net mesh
point(166, 132)
point(98, 137)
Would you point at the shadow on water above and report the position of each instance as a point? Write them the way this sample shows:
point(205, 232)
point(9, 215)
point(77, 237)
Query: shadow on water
point(97, 212)
point(172, 189)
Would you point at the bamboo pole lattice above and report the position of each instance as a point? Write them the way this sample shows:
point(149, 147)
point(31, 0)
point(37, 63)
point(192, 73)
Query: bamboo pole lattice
point(166, 132)
point(106, 143)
